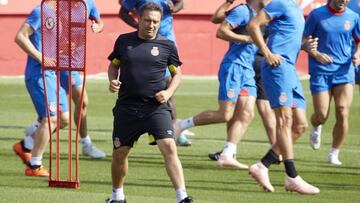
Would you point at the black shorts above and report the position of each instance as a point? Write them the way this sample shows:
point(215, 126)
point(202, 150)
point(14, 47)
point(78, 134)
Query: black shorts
point(131, 122)
point(259, 83)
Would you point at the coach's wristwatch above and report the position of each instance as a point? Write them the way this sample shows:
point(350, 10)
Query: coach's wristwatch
point(230, 1)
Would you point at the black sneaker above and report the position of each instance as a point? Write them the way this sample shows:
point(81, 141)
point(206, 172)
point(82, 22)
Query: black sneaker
point(187, 199)
point(109, 200)
point(215, 156)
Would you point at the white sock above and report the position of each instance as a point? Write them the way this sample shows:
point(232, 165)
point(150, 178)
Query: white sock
point(229, 149)
point(86, 141)
point(30, 130)
point(335, 151)
point(181, 194)
point(318, 128)
point(36, 161)
point(187, 123)
point(118, 194)
point(29, 142)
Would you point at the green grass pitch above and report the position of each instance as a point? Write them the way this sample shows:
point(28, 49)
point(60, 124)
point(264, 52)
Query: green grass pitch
point(147, 180)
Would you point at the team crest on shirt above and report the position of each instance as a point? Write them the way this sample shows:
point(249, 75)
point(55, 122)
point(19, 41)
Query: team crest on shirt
point(283, 98)
point(231, 93)
point(155, 51)
point(49, 23)
point(117, 142)
point(52, 107)
point(347, 25)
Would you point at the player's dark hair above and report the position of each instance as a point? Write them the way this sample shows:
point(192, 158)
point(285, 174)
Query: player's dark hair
point(150, 7)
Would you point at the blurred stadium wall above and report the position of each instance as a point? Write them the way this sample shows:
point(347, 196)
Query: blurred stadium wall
point(199, 49)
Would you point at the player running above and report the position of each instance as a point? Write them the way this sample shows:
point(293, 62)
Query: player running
point(332, 69)
point(29, 40)
point(266, 113)
point(88, 148)
point(283, 88)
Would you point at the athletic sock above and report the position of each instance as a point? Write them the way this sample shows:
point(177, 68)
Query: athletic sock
point(229, 149)
point(270, 158)
point(35, 162)
point(181, 194)
point(28, 143)
point(30, 130)
point(187, 123)
point(290, 168)
point(118, 194)
point(335, 151)
point(86, 141)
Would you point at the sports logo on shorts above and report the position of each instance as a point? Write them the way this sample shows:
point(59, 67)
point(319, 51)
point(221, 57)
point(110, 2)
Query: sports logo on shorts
point(347, 25)
point(49, 23)
point(52, 108)
point(155, 51)
point(283, 98)
point(169, 132)
point(231, 93)
point(117, 142)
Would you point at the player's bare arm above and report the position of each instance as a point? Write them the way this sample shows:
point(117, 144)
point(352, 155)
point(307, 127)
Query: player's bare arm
point(225, 32)
point(164, 95)
point(175, 5)
point(255, 32)
point(356, 56)
point(220, 14)
point(113, 75)
point(23, 40)
point(127, 18)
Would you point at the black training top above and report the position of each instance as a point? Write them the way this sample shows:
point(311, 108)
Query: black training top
point(142, 67)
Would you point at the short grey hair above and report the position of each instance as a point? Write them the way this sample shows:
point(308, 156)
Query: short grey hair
point(150, 7)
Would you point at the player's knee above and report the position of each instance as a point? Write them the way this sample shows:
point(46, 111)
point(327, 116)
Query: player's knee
point(167, 147)
point(285, 121)
point(226, 116)
point(270, 122)
point(53, 122)
point(64, 123)
point(300, 128)
point(119, 155)
point(249, 115)
point(342, 113)
point(321, 117)
point(85, 102)
point(64, 120)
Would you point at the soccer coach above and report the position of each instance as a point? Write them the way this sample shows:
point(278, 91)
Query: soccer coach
point(141, 59)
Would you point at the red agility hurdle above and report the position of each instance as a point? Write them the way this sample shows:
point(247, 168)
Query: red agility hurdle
point(63, 27)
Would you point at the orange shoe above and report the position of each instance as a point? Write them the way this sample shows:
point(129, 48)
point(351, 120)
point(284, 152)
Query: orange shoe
point(19, 150)
point(41, 172)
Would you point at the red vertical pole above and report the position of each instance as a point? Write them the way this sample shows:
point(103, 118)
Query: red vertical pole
point(70, 93)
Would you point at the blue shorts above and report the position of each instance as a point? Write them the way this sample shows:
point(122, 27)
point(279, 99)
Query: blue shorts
point(282, 86)
point(75, 79)
point(35, 87)
point(235, 81)
point(321, 83)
